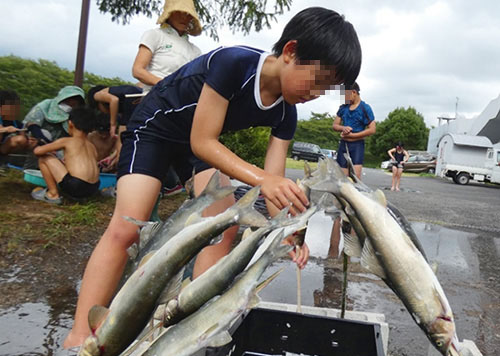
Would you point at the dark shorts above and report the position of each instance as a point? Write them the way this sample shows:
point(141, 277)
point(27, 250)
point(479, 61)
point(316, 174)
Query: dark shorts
point(398, 165)
point(77, 188)
point(356, 151)
point(151, 155)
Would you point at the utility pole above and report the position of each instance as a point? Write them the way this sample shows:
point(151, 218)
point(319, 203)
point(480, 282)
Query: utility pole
point(82, 42)
point(456, 107)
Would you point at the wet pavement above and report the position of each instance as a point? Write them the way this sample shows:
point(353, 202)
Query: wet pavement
point(458, 226)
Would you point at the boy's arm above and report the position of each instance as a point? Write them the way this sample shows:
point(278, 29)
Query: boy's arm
point(104, 96)
point(407, 156)
point(51, 147)
point(207, 125)
point(370, 130)
point(337, 126)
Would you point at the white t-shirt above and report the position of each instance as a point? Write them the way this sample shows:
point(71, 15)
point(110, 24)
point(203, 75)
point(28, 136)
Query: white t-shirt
point(170, 51)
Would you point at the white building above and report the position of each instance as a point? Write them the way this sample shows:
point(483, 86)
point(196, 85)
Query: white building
point(487, 124)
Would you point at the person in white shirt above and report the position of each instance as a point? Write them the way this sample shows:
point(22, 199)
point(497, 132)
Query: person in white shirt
point(164, 50)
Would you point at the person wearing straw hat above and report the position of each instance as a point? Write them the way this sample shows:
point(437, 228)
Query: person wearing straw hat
point(163, 50)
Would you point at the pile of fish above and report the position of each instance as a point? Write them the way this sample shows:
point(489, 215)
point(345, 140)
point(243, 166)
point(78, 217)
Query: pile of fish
point(388, 247)
point(200, 314)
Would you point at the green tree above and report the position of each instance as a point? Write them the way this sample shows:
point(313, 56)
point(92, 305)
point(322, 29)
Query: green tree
point(237, 15)
point(249, 144)
point(318, 129)
point(406, 125)
point(35, 81)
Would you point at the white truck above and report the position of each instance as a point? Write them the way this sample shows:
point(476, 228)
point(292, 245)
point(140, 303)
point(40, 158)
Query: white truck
point(465, 157)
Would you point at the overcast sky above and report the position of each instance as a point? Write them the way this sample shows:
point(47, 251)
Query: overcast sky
point(424, 54)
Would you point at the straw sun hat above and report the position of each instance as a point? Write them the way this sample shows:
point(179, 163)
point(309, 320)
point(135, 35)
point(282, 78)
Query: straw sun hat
point(186, 6)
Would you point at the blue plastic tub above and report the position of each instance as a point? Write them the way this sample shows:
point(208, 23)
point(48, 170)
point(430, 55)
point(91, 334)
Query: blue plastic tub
point(34, 176)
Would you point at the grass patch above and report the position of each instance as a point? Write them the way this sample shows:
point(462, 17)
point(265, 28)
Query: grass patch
point(292, 164)
point(30, 225)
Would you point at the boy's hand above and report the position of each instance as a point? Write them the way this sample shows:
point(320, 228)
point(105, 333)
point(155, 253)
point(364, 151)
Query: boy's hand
point(346, 130)
point(299, 256)
point(283, 192)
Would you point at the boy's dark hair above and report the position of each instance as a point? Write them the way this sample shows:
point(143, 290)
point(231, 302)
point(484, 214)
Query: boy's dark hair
point(102, 122)
point(399, 143)
point(90, 95)
point(9, 97)
point(354, 86)
point(83, 118)
point(324, 35)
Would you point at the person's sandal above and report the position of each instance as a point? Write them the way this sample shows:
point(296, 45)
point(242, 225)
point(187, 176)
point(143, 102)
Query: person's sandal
point(41, 194)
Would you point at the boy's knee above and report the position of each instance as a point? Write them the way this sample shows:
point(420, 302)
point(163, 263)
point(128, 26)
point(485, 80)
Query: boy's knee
point(121, 234)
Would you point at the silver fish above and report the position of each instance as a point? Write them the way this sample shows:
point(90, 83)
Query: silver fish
point(208, 326)
point(217, 278)
point(153, 235)
point(114, 329)
point(389, 253)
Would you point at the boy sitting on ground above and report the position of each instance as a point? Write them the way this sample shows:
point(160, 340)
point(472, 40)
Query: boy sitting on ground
point(106, 145)
point(78, 175)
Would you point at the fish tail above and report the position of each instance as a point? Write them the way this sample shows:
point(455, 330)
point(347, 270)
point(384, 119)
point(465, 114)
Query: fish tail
point(214, 189)
point(246, 214)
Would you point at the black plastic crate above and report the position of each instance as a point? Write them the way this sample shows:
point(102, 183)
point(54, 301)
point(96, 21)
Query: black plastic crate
point(266, 332)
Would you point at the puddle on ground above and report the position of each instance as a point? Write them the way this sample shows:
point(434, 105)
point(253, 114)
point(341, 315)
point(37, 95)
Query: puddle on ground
point(468, 270)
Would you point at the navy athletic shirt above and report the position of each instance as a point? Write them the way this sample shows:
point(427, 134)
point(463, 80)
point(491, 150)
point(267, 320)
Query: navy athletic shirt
point(233, 72)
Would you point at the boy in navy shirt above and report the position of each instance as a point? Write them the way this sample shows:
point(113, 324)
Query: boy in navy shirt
point(179, 122)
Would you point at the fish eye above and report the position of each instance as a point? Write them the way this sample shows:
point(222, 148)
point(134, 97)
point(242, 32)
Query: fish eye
point(439, 343)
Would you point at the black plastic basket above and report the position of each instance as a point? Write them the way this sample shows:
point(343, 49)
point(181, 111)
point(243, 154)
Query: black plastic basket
point(266, 332)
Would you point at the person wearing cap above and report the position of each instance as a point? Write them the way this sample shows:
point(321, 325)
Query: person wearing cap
point(165, 49)
point(355, 121)
point(399, 156)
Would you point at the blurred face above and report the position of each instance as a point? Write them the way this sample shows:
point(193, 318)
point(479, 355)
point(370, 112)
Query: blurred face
point(181, 21)
point(74, 101)
point(350, 96)
point(10, 111)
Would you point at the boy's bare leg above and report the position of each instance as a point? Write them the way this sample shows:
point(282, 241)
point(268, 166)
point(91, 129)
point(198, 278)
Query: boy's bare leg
point(136, 196)
point(211, 254)
point(14, 144)
point(53, 171)
point(333, 251)
point(398, 178)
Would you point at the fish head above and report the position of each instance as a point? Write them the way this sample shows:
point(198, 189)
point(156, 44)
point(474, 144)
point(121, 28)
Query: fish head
point(441, 333)
point(91, 347)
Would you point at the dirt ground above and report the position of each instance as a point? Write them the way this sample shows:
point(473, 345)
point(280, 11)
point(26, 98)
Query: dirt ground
point(44, 243)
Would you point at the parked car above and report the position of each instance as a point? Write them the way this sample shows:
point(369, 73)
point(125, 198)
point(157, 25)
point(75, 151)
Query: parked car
point(329, 153)
point(306, 151)
point(415, 164)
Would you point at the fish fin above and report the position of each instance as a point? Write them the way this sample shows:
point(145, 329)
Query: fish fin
point(281, 217)
point(172, 289)
point(248, 231)
point(265, 283)
point(247, 215)
point(133, 251)
point(214, 189)
point(434, 267)
point(97, 314)
point(136, 222)
point(221, 339)
point(146, 258)
point(147, 232)
point(254, 301)
point(370, 261)
point(379, 196)
point(352, 246)
point(307, 169)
